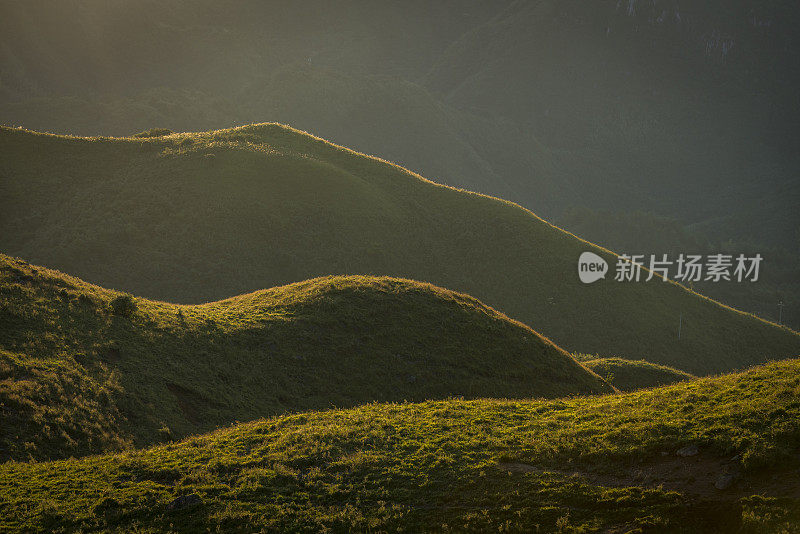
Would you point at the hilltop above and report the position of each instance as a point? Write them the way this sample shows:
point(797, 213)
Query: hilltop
point(653, 460)
point(84, 369)
point(202, 216)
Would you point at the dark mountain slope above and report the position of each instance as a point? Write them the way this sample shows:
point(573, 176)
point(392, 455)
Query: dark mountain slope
point(677, 109)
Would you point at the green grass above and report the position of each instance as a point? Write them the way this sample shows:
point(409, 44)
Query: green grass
point(451, 465)
point(199, 217)
point(628, 375)
point(84, 369)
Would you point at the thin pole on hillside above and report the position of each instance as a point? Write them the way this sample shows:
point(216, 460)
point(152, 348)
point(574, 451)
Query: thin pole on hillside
point(680, 324)
point(780, 312)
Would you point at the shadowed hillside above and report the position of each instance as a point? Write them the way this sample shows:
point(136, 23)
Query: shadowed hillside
point(198, 217)
point(85, 369)
point(714, 455)
point(629, 375)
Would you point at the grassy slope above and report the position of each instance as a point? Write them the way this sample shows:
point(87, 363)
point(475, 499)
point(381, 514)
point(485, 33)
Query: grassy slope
point(482, 465)
point(76, 377)
point(193, 217)
point(628, 375)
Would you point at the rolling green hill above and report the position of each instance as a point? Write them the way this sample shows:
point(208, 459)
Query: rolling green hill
point(686, 111)
point(199, 217)
point(646, 461)
point(629, 375)
point(84, 369)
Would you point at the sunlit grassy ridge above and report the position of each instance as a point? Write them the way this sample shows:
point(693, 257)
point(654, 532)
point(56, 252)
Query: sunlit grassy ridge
point(197, 217)
point(84, 369)
point(628, 375)
point(482, 465)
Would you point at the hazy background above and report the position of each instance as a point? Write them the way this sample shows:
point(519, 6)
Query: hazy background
point(643, 126)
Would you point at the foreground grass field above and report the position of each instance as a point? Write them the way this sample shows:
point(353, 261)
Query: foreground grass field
point(587, 464)
point(86, 370)
point(203, 216)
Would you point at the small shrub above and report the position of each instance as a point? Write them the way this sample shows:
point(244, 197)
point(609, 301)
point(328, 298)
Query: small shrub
point(123, 305)
point(164, 434)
